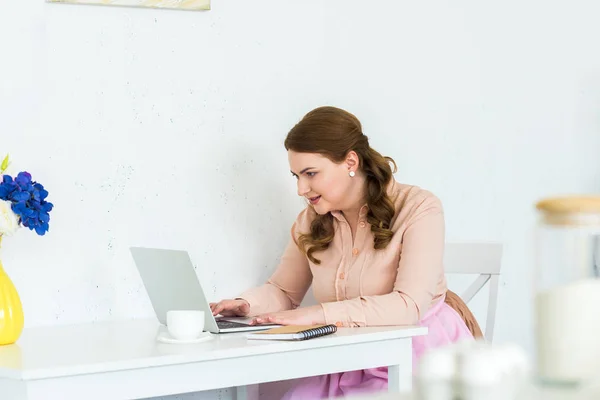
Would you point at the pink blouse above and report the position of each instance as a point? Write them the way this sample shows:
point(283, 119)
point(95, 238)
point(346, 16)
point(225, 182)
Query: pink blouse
point(356, 284)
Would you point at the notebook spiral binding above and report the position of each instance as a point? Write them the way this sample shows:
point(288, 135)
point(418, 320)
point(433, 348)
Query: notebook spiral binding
point(321, 331)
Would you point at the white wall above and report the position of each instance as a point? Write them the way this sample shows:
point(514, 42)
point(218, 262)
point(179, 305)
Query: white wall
point(165, 128)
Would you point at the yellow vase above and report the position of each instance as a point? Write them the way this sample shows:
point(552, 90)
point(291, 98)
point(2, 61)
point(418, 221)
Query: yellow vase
point(11, 310)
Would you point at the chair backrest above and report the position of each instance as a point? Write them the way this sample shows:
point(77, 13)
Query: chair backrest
point(484, 259)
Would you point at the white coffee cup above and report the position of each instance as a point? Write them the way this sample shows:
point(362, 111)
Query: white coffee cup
point(185, 324)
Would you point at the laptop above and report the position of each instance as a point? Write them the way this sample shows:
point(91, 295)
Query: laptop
point(171, 283)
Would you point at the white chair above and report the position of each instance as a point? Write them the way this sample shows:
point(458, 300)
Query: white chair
point(484, 259)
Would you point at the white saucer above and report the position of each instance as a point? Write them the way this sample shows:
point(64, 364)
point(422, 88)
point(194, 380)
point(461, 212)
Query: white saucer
point(164, 337)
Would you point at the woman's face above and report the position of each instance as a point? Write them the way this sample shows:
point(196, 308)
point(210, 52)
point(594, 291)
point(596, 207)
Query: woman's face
point(322, 182)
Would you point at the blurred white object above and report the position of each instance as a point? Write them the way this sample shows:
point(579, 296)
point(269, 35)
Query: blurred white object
point(472, 371)
point(480, 376)
point(490, 372)
point(436, 375)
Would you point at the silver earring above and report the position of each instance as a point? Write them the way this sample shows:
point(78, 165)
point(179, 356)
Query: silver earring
point(352, 173)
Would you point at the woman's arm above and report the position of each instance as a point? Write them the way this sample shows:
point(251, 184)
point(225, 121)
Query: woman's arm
point(286, 288)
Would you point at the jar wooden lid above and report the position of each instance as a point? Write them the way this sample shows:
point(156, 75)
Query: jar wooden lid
point(570, 205)
point(571, 211)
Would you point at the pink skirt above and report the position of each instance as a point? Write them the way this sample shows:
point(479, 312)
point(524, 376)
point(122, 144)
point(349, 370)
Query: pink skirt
point(445, 327)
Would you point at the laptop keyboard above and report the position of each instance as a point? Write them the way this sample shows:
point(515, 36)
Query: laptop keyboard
point(230, 324)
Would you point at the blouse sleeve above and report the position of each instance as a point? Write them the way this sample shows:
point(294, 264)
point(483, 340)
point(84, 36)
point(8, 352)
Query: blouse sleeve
point(288, 285)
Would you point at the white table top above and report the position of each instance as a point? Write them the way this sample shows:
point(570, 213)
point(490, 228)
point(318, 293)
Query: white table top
point(48, 352)
point(528, 393)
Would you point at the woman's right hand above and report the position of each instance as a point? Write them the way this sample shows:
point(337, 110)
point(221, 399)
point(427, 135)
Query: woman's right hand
point(231, 308)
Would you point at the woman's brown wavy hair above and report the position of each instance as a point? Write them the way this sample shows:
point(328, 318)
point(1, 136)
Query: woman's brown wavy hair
point(333, 133)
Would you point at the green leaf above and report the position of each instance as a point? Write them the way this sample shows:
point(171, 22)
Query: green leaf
point(4, 164)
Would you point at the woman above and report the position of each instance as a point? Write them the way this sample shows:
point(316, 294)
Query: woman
point(372, 249)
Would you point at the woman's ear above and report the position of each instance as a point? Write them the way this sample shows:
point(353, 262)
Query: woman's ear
point(352, 161)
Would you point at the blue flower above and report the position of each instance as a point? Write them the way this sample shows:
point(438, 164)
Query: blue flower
point(7, 187)
point(28, 200)
point(23, 179)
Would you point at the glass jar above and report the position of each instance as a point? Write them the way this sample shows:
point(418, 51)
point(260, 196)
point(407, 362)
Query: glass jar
point(567, 291)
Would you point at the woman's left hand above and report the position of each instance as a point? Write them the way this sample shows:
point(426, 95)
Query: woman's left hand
point(301, 316)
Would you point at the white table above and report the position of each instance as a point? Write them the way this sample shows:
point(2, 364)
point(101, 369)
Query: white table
point(529, 393)
point(123, 360)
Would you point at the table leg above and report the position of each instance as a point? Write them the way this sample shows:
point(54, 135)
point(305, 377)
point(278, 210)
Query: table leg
point(400, 378)
point(249, 392)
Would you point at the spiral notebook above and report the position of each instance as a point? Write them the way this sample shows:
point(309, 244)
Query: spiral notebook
point(294, 332)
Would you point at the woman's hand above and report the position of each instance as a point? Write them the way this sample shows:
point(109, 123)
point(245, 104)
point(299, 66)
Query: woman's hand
point(301, 316)
point(231, 308)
